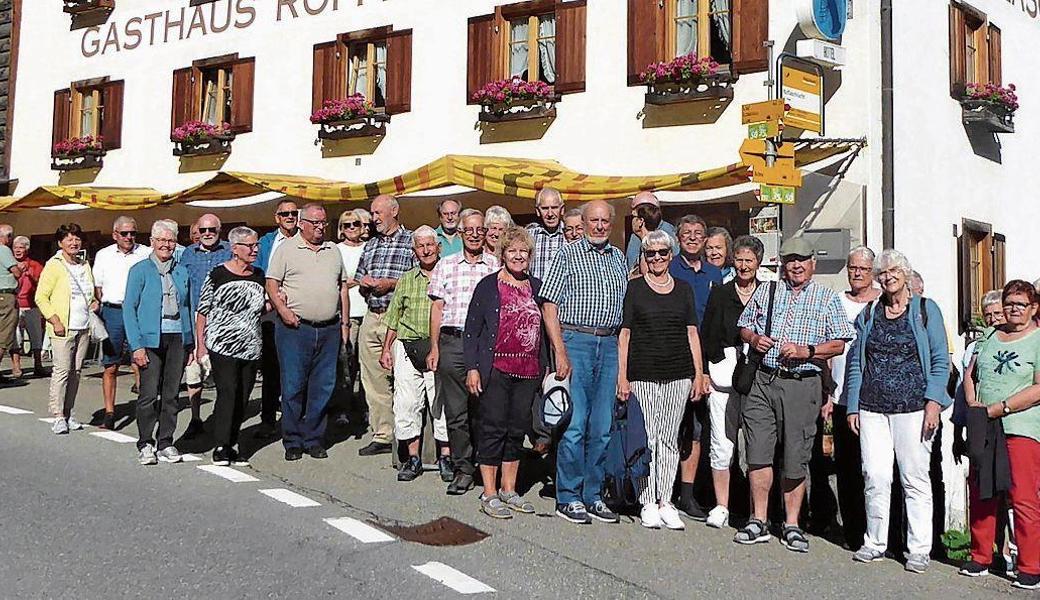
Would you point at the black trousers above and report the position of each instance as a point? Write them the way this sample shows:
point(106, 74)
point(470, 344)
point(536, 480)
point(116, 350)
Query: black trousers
point(234, 378)
point(823, 506)
point(848, 468)
point(504, 417)
point(157, 398)
point(271, 390)
point(459, 405)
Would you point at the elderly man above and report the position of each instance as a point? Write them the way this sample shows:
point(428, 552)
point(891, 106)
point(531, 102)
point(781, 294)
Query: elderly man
point(573, 228)
point(286, 217)
point(451, 288)
point(405, 351)
point(448, 237)
point(111, 268)
point(807, 325)
point(547, 231)
point(30, 321)
point(692, 267)
point(199, 259)
point(10, 271)
point(313, 320)
point(583, 293)
point(385, 258)
point(632, 250)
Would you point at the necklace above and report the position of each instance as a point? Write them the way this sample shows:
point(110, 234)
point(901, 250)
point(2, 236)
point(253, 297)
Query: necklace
point(747, 294)
point(667, 282)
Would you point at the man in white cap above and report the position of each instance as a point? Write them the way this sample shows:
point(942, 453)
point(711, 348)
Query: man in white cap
point(646, 219)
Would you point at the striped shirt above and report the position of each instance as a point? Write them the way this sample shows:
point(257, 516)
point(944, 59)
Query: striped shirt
point(546, 245)
point(588, 285)
point(385, 257)
point(813, 315)
point(453, 280)
point(409, 312)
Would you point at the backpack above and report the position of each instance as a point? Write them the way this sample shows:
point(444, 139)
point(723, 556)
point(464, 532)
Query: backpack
point(628, 457)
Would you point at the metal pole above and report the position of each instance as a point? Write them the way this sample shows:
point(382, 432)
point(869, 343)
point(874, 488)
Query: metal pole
point(770, 81)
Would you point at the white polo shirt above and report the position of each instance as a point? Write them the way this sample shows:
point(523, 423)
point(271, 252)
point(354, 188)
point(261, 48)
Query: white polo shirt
point(111, 268)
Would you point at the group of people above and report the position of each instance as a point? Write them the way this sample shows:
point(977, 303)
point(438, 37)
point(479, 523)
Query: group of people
point(459, 326)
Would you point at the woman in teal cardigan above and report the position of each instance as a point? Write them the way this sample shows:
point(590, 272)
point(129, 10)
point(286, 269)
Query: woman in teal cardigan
point(898, 367)
point(158, 325)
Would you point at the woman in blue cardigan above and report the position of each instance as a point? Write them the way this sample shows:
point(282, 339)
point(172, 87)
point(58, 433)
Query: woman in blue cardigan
point(898, 367)
point(159, 332)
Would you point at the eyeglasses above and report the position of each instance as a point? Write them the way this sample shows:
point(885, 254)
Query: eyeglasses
point(163, 242)
point(287, 213)
point(315, 223)
point(350, 224)
point(126, 234)
point(252, 246)
point(1009, 306)
point(652, 253)
point(860, 269)
point(474, 230)
point(209, 229)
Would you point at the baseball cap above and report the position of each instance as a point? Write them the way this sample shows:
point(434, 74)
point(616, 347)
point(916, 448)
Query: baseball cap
point(556, 402)
point(797, 246)
point(645, 198)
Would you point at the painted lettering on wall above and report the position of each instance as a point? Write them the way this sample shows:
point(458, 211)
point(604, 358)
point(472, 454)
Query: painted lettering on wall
point(1029, 7)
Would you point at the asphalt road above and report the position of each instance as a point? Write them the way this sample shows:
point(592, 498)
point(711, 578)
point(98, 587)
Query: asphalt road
point(80, 518)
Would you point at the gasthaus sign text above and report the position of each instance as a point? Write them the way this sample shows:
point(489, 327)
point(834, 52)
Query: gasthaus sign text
point(187, 22)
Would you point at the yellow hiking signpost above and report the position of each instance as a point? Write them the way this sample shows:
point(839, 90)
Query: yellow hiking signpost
point(771, 161)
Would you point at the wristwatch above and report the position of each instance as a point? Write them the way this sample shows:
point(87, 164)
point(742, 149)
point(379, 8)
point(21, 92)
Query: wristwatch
point(812, 350)
point(1007, 409)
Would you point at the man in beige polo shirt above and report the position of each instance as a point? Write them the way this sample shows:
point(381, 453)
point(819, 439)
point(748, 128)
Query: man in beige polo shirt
point(306, 283)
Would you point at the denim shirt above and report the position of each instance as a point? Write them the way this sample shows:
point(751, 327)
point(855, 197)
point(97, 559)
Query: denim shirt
point(932, 350)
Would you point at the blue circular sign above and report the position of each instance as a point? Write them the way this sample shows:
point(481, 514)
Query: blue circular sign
point(830, 17)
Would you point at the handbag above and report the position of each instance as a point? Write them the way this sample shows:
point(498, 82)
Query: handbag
point(747, 365)
point(98, 331)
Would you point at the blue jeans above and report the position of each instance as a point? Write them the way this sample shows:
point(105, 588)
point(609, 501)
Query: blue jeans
point(307, 358)
point(112, 348)
point(580, 461)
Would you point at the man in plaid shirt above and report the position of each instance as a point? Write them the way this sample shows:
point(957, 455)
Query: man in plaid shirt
point(547, 231)
point(451, 288)
point(385, 258)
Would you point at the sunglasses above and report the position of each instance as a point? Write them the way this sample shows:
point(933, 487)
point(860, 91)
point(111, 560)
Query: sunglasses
point(287, 213)
point(350, 224)
point(127, 234)
point(664, 252)
point(209, 229)
point(315, 223)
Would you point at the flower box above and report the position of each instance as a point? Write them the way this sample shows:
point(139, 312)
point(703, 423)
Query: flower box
point(515, 100)
point(350, 117)
point(686, 79)
point(196, 138)
point(990, 107)
point(77, 153)
point(74, 7)
point(518, 110)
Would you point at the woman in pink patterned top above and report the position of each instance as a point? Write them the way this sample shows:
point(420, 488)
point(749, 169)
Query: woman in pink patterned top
point(505, 360)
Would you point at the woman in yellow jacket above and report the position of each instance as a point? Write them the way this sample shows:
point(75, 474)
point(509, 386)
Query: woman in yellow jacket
point(66, 298)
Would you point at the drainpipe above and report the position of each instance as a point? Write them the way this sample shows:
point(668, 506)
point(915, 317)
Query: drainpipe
point(888, 208)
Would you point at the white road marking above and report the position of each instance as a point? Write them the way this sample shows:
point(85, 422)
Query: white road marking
point(14, 411)
point(453, 578)
point(362, 532)
point(190, 458)
point(228, 473)
point(290, 497)
point(114, 436)
point(50, 420)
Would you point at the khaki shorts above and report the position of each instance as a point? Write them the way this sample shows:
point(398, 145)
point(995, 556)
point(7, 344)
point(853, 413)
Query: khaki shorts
point(8, 320)
point(784, 411)
point(197, 372)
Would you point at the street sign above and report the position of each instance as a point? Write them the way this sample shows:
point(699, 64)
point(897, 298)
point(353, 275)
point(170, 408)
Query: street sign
point(803, 92)
point(763, 130)
point(757, 112)
point(771, 163)
point(776, 194)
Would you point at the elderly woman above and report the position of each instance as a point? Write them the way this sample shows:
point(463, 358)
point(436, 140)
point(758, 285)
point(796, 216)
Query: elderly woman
point(573, 227)
point(722, 344)
point(1007, 368)
point(353, 225)
point(227, 328)
point(158, 324)
point(717, 252)
point(659, 362)
point(65, 297)
point(505, 359)
point(30, 323)
point(897, 372)
point(496, 220)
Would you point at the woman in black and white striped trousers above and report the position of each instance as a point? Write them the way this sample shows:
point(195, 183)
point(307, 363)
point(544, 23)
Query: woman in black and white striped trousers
point(659, 364)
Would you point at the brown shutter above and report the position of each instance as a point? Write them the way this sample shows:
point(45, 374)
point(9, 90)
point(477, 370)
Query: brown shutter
point(995, 63)
point(62, 103)
point(242, 76)
point(399, 72)
point(328, 75)
point(965, 301)
point(999, 261)
point(958, 53)
point(570, 47)
point(480, 60)
point(750, 20)
point(112, 115)
point(646, 38)
point(183, 98)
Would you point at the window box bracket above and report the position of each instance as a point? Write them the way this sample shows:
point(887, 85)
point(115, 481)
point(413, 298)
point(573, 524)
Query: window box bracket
point(988, 116)
point(217, 144)
point(362, 127)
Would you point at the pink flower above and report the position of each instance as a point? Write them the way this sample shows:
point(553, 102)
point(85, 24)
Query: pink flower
point(681, 69)
point(351, 107)
point(194, 132)
point(74, 147)
point(508, 90)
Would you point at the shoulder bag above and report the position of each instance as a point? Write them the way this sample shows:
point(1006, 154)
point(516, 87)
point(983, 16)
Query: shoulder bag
point(98, 331)
point(747, 366)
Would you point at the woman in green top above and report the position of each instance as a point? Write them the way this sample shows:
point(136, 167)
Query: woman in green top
point(1007, 367)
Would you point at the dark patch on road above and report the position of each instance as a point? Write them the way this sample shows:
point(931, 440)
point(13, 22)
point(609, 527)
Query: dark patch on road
point(444, 531)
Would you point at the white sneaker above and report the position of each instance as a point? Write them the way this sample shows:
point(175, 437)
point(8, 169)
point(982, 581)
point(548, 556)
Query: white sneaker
point(60, 426)
point(650, 516)
point(74, 425)
point(718, 517)
point(670, 517)
point(147, 455)
point(169, 454)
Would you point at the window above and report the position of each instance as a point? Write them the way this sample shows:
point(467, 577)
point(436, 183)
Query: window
point(730, 31)
point(215, 91)
point(374, 62)
point(538, 40)
point(975, 53)
point(92, 107)
point(981, 268)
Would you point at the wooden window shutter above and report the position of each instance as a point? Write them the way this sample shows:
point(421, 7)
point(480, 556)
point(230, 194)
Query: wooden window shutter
point(958, 54)
point(329, 74)
point(646, 38)
point(995, 64)
point(183, 97)
point(482, 53)
point(62, 114)
point(750, 20)
point(399, 72)
point(570, 47)
point(242, 77)
point(965, 301)
point(999, 261)
point(112, 115)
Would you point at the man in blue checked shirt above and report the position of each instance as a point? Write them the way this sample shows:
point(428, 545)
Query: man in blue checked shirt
point(808, 326)
point(583, 293)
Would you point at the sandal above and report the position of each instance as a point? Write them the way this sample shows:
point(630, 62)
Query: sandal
point(794, 539)
point(754, 532)
point(516, 502)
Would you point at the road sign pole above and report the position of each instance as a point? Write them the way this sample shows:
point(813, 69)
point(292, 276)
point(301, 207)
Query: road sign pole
point(770, 81)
